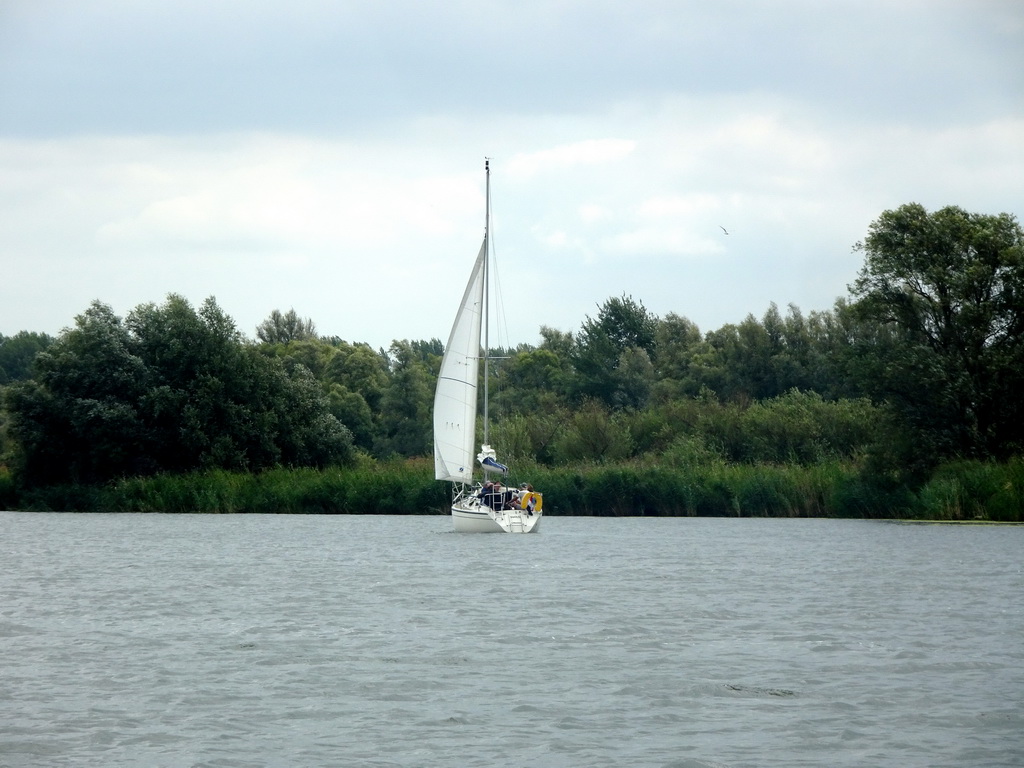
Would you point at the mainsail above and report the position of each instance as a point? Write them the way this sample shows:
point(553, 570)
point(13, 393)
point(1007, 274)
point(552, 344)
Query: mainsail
point(455, 400)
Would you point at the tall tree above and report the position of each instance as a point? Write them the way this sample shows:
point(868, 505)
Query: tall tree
point(947, 289)
point(17, 353)
point(529, 381)
point(622, 325)
point(677, 343)
point(406, 404)
point(283, 328)
point(78, 419)
point(359, 369)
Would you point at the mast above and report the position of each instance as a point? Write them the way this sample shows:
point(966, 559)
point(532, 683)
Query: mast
point(487, 292)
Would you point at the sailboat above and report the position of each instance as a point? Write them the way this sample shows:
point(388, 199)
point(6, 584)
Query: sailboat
point(487, 506)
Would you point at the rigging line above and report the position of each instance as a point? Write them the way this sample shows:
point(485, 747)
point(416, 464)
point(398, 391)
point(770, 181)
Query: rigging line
point(499, 306)
point(498, 295)
point(500, 320)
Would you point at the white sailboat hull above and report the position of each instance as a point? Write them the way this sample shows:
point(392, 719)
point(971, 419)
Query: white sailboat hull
point(469, 516)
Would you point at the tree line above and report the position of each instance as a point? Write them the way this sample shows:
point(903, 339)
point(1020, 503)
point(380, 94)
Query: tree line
point(922, 362)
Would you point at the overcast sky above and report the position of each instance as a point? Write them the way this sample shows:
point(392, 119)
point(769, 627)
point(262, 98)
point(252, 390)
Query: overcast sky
point(327, 156)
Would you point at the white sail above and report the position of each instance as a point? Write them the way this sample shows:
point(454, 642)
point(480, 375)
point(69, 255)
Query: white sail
point(455, 400)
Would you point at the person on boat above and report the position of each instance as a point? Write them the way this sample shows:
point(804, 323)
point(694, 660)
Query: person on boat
point(526, 488)
point(490, 494)
point(485, 491)
point(510, 499)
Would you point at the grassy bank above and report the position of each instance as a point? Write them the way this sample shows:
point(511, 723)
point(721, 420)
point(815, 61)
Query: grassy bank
point(957, 491)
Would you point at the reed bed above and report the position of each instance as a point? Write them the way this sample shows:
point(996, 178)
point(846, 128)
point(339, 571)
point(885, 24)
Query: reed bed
point(960, 491)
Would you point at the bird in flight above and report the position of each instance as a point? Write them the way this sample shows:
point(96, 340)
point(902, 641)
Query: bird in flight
point(723, 229)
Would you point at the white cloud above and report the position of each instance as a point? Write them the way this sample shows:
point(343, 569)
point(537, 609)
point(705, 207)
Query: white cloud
point(590, 213)
point(268, 222)
point(654, 243)
point(277, 192)
point(680, 206)
point(564, 156)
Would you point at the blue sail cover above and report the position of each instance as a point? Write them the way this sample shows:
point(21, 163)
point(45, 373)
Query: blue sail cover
point(487, 461)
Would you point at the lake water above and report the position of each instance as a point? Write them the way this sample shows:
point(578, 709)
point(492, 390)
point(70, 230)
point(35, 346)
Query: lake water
point(199, 640)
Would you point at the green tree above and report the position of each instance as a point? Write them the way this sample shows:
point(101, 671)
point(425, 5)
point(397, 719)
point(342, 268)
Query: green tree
point(423, 351)
point(530, 381)
point(530, 436)
point(352, 410)
point(716, 367)
point(17, 353)
point(168, 389)
point(561, 343)
point(678, 342)
point(283, 328)
point(311, 353)
point(634, 378)
point(593, 433)
point(829, 335)
point(359, 369)
point(945, 292)
point(307, 433)
point(407, 403)
point(357, 378)
point(802, 427)
point(761, 359)
point(78, 420)
point(622, 325)
point(758, 354)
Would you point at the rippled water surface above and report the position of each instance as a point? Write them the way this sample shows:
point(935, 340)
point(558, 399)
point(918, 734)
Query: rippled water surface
point(197, 640)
